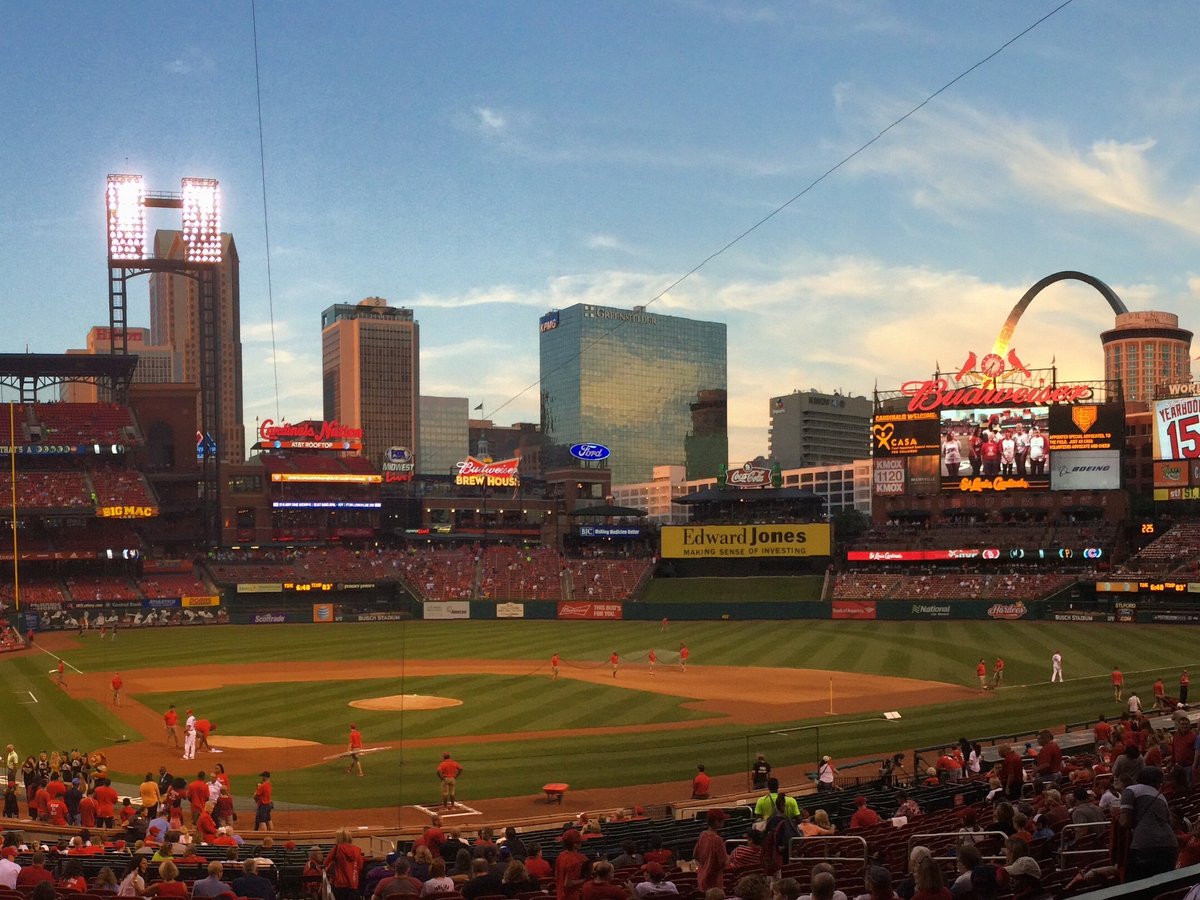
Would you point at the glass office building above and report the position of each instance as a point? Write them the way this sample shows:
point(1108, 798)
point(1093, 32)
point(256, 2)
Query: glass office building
point(650, 387)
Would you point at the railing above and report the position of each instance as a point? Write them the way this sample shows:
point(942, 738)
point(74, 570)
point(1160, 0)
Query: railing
point(822, 842)
point(1087, 839)
point(952, 840)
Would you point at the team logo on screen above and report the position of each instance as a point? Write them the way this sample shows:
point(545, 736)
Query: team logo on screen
point(1084, 417)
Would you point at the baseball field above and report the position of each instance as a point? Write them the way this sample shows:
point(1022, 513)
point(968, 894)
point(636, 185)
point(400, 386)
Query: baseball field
point(282, 698)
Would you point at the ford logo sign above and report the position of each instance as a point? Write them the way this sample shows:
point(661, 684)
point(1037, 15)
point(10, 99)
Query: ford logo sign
point(590, 452)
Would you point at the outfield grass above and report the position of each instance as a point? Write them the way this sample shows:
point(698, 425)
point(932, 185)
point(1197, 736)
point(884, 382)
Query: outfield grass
point(940, 651)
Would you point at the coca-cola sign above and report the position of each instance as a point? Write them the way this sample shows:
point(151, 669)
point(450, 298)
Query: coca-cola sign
point(748, 476)
point(503, 473)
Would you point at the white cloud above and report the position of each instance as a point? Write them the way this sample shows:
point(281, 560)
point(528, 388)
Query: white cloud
point(608, 242)
point(490, 120)
point(958, 158)
point(261, 332)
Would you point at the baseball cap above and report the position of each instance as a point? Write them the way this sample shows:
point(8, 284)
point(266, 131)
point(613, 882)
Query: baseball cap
point(1025, 865)
point(265, 774)
point(572, 836)
point(860, 800)
point(654, 868)
point(717, 815)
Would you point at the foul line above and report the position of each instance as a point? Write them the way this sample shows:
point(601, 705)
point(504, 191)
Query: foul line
point(448, 815)
point(32, 699)
point(1107, 676)
point(64, 662)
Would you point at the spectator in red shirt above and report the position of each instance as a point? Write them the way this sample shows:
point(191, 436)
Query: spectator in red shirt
point(106, 802)
point(711, 857)
point(601, 886)
point(87, 810)
point(1102, 731)
point(41, 802)
point(657, 853)
point(536, 865)
point(262, 803)
point(568, 868)
point(197, 796)
point(206, 825)
point(1012, 772)
point(864, 816)
point(343, 865)
point(701, 784)
point(55, 787)
point(1049, 758)
point(35, 872)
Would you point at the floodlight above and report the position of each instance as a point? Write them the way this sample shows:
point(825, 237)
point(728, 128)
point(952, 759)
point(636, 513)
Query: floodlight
point(202, 220)
point(126, 202)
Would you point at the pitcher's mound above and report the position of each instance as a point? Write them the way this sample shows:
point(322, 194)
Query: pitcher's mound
point(256, 742)
point(405, 702)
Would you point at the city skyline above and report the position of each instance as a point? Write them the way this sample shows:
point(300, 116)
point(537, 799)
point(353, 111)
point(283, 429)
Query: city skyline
point(483, 167)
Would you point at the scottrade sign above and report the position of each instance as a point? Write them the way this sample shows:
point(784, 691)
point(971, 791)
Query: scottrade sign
point(590, 452)
point(744, 541)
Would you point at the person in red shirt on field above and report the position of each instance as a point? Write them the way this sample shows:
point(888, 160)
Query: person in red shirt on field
point(197, 796)
point(106, 802)
point(117, 683)
point(127, 811)
point(354, 749)
point(981, 674)
point(701, 784)
point(1184, 683)
point(447, 772)
point(684, 653)
point(614, 660)
point(171, 721)
point(263, 806)
point(652, 659)
point(1118, 684)
point(55, 786)
point(864, 816)
point(57, 811)
point(998, 673)
point(568, 867)
point(554, 666)
point(203, 727)
point(1160, 694)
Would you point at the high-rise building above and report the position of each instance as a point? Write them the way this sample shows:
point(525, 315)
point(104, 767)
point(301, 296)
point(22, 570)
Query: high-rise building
point(444, 435)
point(155, 365)
point(370, 366)
point(1144, 349)
point(650, 387)
point(809, 428)
point(175, 323)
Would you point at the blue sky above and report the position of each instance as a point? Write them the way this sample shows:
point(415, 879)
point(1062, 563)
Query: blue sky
point(484, 162)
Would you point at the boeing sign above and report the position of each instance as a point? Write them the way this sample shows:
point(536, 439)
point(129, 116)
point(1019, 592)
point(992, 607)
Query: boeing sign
point(590, 452)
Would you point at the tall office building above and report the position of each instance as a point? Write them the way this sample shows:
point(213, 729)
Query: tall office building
point(370, 366)
point(809, 428)
point(175, 323)
point(155, 365)
point(650, 387)
point(444, 435)
point(1144, 349)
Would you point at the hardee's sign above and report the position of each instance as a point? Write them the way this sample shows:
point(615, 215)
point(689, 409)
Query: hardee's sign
point(503, 473)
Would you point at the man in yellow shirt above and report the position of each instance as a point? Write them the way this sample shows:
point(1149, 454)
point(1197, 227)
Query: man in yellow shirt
point(148, 790)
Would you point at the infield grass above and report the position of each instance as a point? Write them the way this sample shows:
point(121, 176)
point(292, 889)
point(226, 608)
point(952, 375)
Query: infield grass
point(938, 651)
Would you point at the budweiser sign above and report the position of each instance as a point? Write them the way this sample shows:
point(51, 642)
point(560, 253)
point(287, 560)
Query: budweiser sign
point(305, 431)
point(748, 476)
point(489, 474)
point(934, 394)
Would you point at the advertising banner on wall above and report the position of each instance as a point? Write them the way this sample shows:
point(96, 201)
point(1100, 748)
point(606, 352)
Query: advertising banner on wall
point(889, 477)
point(744, 541)
point(1177, 429)
point(193, 602)
point(588, 610)
point(1085, 470)
point(447, 609)
point(904, 434)
point(510, 610)
point(862, 610)
point(1172, 474)
point(322, 612)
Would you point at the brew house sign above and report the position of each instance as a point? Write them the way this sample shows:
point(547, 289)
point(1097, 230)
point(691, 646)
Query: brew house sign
point(502, 473)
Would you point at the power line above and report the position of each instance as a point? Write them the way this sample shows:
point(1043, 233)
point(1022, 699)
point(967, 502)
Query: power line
point(262, 163)
point(781, 207)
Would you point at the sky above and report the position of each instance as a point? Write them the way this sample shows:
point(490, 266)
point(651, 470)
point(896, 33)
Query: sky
point(483, 163)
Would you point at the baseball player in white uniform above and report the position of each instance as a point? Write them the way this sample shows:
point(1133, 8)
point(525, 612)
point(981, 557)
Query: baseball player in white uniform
point(1056, 667)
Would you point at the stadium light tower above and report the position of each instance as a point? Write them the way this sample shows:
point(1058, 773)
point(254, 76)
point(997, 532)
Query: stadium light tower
point(199, 200)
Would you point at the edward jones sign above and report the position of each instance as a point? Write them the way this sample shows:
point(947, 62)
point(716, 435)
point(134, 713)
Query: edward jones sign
point(744, 541)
